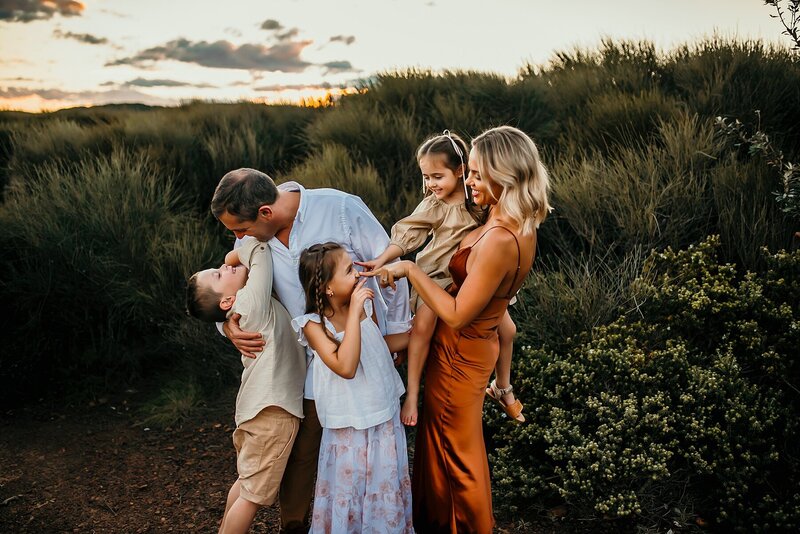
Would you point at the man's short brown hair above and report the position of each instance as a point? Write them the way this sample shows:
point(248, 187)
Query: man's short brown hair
point(242, 192)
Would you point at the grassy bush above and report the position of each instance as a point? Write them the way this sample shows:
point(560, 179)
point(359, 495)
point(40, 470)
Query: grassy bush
point(95, 255)
point(334, 167)
point(572, 295)
point(687, 406)
point(196, 143)
point(383, 125)
point(671, 190)
point(726, 77)
point(643, 194)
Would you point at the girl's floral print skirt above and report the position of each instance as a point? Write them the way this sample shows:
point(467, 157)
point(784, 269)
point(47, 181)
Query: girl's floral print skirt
point(362, 481)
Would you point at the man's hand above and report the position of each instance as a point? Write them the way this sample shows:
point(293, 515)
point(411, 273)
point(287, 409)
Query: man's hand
point(248, 343)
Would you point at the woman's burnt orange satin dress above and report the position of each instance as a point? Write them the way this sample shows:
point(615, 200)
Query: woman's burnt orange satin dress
point(451, 487)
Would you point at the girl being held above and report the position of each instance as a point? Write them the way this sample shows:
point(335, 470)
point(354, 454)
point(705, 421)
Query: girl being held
point(446, 214)
point(362, 477)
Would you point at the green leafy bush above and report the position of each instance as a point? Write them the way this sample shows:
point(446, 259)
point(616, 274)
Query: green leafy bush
point(94, 257)
point(689, 404)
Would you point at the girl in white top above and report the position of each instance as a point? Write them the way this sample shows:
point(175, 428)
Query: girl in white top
point(362, 475)
point(447, 215)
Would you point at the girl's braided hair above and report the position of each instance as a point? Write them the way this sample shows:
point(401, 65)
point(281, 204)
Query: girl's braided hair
point(317, 265)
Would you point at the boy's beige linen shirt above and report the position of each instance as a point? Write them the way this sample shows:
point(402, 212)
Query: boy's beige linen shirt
point(277, 374)
point(449, 224)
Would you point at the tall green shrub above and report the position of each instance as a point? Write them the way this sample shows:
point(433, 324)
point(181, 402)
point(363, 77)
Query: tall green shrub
point(94, 256)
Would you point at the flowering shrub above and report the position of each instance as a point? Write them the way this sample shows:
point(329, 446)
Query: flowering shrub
point(687, 405)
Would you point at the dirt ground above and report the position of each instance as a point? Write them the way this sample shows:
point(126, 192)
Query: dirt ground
point(95, 468)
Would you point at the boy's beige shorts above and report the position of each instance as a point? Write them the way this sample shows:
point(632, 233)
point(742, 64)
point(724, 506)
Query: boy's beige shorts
point(263, 444)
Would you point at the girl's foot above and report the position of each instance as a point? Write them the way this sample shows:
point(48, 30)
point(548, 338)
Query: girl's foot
point(505, 398)
point(408, 413)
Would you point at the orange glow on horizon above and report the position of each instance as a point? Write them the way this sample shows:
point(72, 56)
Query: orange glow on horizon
point(35, 104)
point(312, 97)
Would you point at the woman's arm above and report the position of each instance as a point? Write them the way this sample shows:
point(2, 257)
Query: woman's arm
point(488, 269)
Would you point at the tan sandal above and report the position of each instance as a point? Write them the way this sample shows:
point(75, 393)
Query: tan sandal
point(513, 410)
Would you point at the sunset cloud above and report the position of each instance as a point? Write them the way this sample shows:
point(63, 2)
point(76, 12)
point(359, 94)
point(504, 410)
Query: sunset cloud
point(281, 57)
point(338, 66)
point(346, 39)
point(82, 37)
point(29, 10)
point(292, 87)
point(271, 24)
point(144, 82)
point(284, 57)
point(82, 97)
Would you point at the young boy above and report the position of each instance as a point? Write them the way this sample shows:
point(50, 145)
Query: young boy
point(269, 404)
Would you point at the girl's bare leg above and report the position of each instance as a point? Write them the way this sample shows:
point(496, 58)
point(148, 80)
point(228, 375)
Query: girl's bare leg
point(506, 331)
point(418, 346)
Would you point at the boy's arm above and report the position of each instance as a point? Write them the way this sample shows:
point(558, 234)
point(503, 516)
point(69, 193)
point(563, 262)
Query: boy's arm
point(254, 299)
point(232, 258)
point(247, 343)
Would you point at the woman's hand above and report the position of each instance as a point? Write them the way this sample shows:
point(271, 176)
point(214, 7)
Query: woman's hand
point(388, 274)
point(248, 343)
point(359, 296)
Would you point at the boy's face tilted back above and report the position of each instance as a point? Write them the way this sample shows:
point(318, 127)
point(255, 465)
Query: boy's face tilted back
point(225, 280)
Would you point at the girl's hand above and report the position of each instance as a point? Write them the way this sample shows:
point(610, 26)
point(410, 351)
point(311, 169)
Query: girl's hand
point(371, 265)
point(388, 274)
point(359, 296)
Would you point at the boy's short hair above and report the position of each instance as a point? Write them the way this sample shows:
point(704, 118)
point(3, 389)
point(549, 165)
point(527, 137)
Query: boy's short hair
point(202, 302)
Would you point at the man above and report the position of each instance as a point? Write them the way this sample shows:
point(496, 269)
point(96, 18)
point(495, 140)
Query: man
point(292, 218)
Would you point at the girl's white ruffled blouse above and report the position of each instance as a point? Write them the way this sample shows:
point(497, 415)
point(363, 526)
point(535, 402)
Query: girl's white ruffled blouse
point(369, 398)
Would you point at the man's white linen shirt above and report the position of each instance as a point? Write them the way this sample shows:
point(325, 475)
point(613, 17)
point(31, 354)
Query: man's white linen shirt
point(332, 215)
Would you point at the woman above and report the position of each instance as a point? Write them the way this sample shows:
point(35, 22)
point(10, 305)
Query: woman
point(451, 486)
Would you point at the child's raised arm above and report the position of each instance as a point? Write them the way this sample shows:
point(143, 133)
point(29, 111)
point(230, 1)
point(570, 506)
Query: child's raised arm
point(232, 258)
point(410, 233)
point(391, 253)
point(343, 358)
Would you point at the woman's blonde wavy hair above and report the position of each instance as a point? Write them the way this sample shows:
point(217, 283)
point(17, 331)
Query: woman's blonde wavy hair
point(507, 156)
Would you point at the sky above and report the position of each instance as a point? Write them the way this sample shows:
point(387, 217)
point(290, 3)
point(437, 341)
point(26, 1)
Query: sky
point(65, 53)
